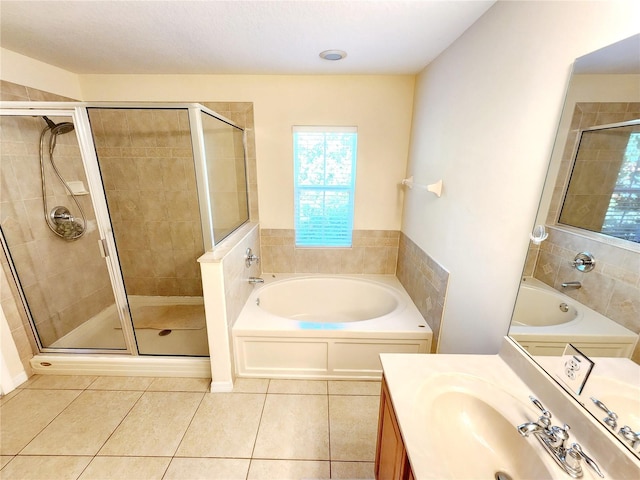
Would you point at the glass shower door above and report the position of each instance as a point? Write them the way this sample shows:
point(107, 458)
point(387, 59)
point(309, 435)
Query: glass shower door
point(147, 168)
point(51, 237)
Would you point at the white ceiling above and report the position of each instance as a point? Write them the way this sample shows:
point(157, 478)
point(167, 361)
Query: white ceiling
point(238, 36)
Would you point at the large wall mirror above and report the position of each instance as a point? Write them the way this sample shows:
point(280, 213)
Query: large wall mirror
point(581, 280)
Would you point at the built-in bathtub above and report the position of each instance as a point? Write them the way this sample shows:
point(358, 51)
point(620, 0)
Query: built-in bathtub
point(545, 320)
point(322, 327)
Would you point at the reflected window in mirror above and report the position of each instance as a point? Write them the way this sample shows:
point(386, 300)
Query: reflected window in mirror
point(603, 193)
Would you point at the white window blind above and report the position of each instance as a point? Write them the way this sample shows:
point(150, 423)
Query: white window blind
point(324, 184)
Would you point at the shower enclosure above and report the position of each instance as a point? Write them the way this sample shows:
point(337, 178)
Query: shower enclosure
point(105, 210)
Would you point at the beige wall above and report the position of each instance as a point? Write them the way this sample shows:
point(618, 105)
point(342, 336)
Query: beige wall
point(380, 106)
point(485, 116)
point(41, 78)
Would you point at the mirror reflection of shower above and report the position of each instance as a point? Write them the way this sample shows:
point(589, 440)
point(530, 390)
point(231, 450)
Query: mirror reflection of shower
point(59, 219)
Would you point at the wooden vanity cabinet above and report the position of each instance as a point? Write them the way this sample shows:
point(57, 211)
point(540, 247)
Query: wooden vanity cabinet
point(392, 462)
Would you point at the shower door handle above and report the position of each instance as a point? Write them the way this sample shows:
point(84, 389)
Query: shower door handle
point(102, 245)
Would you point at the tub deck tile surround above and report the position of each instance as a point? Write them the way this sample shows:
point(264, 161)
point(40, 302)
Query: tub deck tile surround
point(264, 429)
point(373, 252)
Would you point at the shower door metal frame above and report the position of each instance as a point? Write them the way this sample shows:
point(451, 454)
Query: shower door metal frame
point(200, 160)
point(80, 119)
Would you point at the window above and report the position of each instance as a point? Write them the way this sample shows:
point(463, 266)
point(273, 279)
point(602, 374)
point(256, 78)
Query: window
point(324, 183)
point(622, 219)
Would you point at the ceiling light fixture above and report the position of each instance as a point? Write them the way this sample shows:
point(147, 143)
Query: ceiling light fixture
point(333, 55)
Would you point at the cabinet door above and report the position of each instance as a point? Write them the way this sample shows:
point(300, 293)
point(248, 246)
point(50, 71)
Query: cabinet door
point(391, 459)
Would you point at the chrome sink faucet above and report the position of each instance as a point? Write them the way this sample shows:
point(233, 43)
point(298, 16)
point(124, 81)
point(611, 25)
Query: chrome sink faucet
point(254, 280)
point(555, 441)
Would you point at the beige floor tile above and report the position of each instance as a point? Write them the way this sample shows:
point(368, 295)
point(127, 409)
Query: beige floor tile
point(353, 423)
point(225, 425)
point(44, 468)
point(250, 385)
point(353, 470)
point(121, 383)
point(61, 382)
point(28, 413)
point(308, 387)
point(5, 398)
point(138, 468)
point(294, 427)
point(4, 459)
point(288, 469)
point(348, 387)
point(208, 469)
point(155, 425)
point(180, 385)
point(84, 426)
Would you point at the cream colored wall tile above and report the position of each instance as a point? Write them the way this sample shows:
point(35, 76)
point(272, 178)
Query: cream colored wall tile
point(51, 468)
point(26, 414)
point(348, 387)
point(84, 426)
point(354, 424)
point(161, 416)
point(353, 470)
point(294, 427)
point(207, 469)
point(4, 459)
point(624, 306)
point(139, 468)
point(316, 387)
point(288, 469)
point(225, 425)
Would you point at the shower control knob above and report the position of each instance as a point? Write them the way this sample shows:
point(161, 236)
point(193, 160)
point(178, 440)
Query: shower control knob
point(249, 258)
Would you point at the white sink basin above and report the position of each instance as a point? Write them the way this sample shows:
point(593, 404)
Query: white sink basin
point(471, 430)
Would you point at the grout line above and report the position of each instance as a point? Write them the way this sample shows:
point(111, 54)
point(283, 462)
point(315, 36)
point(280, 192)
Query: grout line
point(255, 440)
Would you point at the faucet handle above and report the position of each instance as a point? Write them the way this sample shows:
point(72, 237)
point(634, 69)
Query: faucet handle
point(545, 413)
point(575, 452)
point(559, 436)
point(612, 418)
point(628, 434)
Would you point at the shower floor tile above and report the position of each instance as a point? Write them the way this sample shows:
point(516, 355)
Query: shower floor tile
point(85, 427)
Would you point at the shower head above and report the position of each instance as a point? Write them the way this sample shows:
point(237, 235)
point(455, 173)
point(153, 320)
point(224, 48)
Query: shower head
point(59, 128)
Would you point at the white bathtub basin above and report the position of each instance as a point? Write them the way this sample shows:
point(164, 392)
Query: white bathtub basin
point(328, 299)
point(540, 326)
point(319, 326)
point(539, 307)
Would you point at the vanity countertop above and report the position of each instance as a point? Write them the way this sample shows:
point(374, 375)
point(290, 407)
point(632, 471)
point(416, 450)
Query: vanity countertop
point(419, 383)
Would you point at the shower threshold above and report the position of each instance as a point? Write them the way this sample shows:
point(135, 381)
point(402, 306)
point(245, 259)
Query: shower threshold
point(120, 365)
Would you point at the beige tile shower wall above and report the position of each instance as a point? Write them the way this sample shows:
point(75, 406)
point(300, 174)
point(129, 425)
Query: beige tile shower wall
point(613, 288)
point(148, 173)
point(66, 283)
point(426, 282)
point(373, 251)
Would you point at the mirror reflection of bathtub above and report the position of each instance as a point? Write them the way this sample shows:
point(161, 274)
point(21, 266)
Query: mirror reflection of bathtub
point(545, 320)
